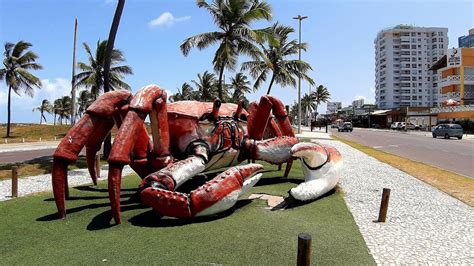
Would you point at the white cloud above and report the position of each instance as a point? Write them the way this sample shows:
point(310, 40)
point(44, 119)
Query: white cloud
point(360, 97)
point(22, 105)
point(53, 90)
point(166, 19)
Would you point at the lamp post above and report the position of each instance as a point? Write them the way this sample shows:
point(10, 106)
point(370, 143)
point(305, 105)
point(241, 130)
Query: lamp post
point(299, 18)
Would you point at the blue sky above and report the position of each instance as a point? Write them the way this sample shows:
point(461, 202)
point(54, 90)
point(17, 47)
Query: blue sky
point(340, 35)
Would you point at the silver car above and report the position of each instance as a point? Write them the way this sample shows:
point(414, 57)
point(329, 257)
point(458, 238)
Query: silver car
point(448, 130)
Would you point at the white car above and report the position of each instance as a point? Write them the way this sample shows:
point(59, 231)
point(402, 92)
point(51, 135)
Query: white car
point(394, 125)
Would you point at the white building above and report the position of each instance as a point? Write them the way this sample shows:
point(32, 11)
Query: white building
point(358, 103)
point(332, 107)
point(403, 56)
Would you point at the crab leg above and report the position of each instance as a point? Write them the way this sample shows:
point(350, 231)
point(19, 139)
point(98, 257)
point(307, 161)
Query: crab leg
point(217, 195)
point(280, 124)
point(274, 151)
point(90, 131)
point(132, 141)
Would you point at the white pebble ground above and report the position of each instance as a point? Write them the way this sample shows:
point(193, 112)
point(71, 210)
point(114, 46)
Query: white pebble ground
point(424, 225)
point(40, 183)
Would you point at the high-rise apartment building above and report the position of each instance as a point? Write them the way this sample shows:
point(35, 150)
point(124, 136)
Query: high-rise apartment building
point(467, 41)
point(403, 56)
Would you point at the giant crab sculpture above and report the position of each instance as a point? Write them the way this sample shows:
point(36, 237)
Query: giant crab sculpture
point(189, 138)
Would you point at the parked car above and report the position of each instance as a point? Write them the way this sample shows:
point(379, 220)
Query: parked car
point(394, 125)
point(448, 131)
point(346, 126)
point(401, 125)
point(412, 126)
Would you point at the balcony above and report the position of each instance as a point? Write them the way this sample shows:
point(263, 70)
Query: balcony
point(460, 108)
point(456, 80)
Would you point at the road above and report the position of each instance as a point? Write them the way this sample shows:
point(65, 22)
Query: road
point(22, 156)
point(450, 154)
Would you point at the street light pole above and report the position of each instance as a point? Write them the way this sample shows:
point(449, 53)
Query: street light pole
point(299, 18)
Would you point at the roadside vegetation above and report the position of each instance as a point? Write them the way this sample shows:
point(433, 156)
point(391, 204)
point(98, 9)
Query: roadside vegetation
point(33, 132)
point(458, 186)
point(248, 234)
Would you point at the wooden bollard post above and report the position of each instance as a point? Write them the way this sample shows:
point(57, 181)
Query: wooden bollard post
point(384, 205)
point(14, 181)
point(97, 165)
point(304, 250)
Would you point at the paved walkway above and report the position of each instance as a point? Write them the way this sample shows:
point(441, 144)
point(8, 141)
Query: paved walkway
point(424, 225)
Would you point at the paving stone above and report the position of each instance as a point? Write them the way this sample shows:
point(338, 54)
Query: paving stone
point(424, 225)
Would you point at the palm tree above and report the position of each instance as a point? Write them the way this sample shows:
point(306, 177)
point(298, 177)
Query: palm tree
point(307, 105)
point(240, 85)
point(62, 108)
point(92, 75)
point(185, 94)
point(274, 58)
point(320, 95)
point(206, 87)
point(84, 101)
point(44, 107)
point(235, 37)
point(18, 60)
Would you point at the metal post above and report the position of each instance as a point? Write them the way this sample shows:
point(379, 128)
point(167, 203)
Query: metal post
point(14, 181)
point(73, 79)
point(304, 250)
point(299, 18)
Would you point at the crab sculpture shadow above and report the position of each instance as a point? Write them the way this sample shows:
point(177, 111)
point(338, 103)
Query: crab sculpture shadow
point(189, 138)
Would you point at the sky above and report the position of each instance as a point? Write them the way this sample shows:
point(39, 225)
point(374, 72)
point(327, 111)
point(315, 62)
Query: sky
point(339, 33)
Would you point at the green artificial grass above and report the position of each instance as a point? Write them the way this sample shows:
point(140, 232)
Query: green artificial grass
point(249, 234)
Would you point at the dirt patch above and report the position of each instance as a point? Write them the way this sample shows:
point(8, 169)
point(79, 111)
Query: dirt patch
point(272, 201)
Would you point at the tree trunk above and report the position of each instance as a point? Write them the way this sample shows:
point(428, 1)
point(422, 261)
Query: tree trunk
point(271, 83)
point(9, 109)
point(108, 54)
point(41, 117)
point(220, 81)
point(55, 118)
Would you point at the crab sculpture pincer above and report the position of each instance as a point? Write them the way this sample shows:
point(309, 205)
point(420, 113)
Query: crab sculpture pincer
point(189, 138)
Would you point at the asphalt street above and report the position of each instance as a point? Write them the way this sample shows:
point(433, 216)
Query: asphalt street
point(22, 156)
point(450, 154)
point(28, 155)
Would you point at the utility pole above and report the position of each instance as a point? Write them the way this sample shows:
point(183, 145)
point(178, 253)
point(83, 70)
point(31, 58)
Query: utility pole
point(299, 18)
point(73, 79)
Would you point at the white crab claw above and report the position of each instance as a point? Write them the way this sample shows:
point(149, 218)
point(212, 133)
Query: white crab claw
point(321, 164)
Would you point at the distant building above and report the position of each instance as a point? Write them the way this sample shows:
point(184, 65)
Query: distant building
point(332, 107)
point(358, 103)
point(467, 41)
point(403, 56)
point(457, 84)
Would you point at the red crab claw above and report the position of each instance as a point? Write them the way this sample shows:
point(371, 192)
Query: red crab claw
point(321, 164)
point(90, 131)
point(215, 196)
